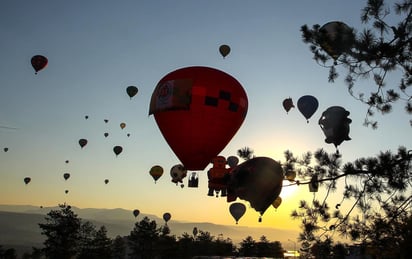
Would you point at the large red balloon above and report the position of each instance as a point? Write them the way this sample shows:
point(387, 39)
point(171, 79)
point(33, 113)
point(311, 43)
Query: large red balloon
point(198, 110)
point(39, 62)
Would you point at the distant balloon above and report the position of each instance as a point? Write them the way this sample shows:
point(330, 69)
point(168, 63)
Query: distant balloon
point(224, 50)
point(106, 134)
point(198, 110)
point(128, 134)
point(5, 149)
point(66, 176)
point(39, 62)
point(106, 181)
point(86, 117)
point(27, 180)
point(131, 91)
point(167, 216)
point(237, 210)
point(106, 121)
point(156, 172)
point(122, 125)
point(82, 142)
point(66, 191)
point(232, 161)
point(276, 203)
point(290, 175)
point(336, 38)
point(67, 161)
point(335, 125)
point(308, 105)
point(178, 172)
point(117, 150)
point(288, 104)
point(136, 212)
point(258, 181)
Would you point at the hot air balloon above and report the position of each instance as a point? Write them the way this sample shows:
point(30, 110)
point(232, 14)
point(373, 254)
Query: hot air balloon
point(39, 62)
point(27, 180)
point(66, 191)
point(66, 176)
point(86, 117)
point(193, 181)
point(335, 38)
point(106, 120)
point(106, 134)
point(276, 203)
point(82, 142)
point(117, 150)
point(198, 110)
point(217, 176)
point(308, 105)
point(257, 180)
point(178, 173)
point(67, 161)
point(335, 125)
point(290, 175)
point(131, 91)
point(237, 210)
point(224, 50)
point(288, 104)
point(156, 172)
point(128, 134)
point(5, 149)
point(166, 217)
point(136, 212)
point(122, 125)
point(232, 161)
point(106, 181)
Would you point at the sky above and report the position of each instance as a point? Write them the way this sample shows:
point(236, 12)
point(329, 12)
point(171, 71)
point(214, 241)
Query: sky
point(98, 48)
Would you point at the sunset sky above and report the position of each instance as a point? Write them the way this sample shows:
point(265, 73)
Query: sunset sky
point(98, 48)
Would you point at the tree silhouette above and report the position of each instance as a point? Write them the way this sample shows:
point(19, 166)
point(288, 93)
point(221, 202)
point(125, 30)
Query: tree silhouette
point(62, 233)
point(375, 53)
point(143, 239)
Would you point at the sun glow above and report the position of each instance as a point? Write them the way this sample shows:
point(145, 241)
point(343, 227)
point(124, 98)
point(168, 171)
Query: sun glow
point(288, 189)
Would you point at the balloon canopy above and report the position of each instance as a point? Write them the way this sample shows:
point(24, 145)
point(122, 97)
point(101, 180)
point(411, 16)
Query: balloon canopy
point(122, 125)
point(156, 172)
point(308, 105)
point(66, 176)
point(82, 142)
point(117, 150)
point(131, 91)
point(106, 181)
point(136, 213)
point(224, 50)
point(335, 125)
point(288, 104)
point(335, 38)
point(258, 181)
point(167, 216)
point(27, 180)
point(232, 161)
point(276, 203)
point(39, 62)
point(237, 210)
point(198, 110)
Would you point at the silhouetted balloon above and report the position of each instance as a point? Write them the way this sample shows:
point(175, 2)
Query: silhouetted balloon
point(27, 180)
point(232, 161)
point(66, 176)
point(39, 62)
point(136, 212)
point(258, 181)
point(335, 125)
point(66, 191)
point(131, 91)
point(122, 125)
point(106, 181)
point(335, 38)
point(290, 175)
point(288, 104)
point(5, 149)
point(167, 216)
point(198, 110)
point(308, 105)
point(128, 134)
point(106, 121)
point(106, 134)
point(82, 142)
point(117, 150)
point(224, 50)
point(276, 203)
point(86, 117)
point(237, 210)
point(67, 161)
point(178, 173)
point(156, 172)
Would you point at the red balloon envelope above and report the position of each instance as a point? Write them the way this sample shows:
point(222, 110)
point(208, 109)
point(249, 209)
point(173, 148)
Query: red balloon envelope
point(198, 110)
point(39, 62)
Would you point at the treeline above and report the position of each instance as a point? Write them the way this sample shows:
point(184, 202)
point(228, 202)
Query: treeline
point(68, 236)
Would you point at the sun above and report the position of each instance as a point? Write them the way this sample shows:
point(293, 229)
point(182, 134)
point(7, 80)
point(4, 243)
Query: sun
point(288, 189)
